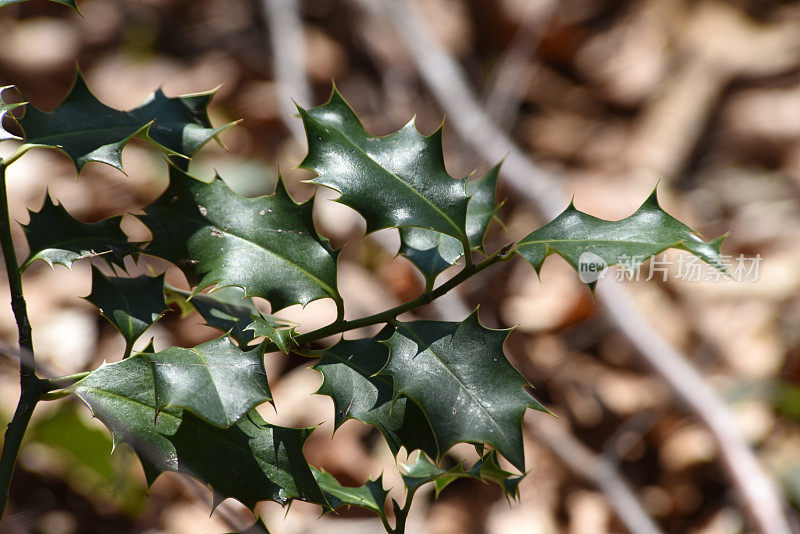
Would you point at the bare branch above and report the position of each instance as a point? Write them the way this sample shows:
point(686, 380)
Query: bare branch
point(289, 60)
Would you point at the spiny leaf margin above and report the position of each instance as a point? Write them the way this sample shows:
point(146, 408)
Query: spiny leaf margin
point(648, 231)
point(432, 252)
point(254, 460)
point(216, 380)
point(132, 305)
point(452, 368)
point(216, 236)
point(350, 378)
point(392, 181)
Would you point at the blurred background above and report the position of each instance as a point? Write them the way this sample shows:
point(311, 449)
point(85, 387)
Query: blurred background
point(590, 99)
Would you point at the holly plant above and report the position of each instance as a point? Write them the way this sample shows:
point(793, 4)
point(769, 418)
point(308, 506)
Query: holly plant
point(425, 385)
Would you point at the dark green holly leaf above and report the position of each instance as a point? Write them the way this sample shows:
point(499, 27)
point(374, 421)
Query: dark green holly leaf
point(218, 237)
point(216, 380)
point(83, 128)
point(371, 495)
point(181, 124)
point(274, 329)
point(433, 252)
point(88, 130)
point(589, 243)
point(4, 110)
point(482, 206)
point(392, 181)
point(349, 377)
point(250, 461)
point(487, 469)
point(130, 304)
point(458, 374)
point(56, 237)
point(225, 309)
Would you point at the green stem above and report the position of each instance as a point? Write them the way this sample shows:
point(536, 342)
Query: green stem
point(429, 284)
point(340, 326)
point(401, 514)
point(386, 524)
point(61, 382)
point(55, 395)
point(30, 385)
point(18, 153)
point(339, 309)
point(467, 252)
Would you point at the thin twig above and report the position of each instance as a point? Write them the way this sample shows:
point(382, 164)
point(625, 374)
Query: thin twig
point(616, 446)
point(446, 80)
point(288, 52)
point(510, 79)
point(595, 469)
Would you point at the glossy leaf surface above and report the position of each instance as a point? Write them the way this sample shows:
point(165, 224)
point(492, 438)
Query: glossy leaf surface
point(266, 245)
point(422, 471)
point(630, 241)
point(459, 375)
point(57, 237)
point(433, 252)
point(371, 495)
point(87, 130)
point(130, 304)
point(216, 380)
point(250, 461)
point(349, 377)
point(392, 181)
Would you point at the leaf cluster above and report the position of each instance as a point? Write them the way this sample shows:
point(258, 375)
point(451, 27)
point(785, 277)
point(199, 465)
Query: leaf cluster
point(425, 385)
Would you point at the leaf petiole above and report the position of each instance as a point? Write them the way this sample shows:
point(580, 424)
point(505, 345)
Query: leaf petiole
point(59, 382)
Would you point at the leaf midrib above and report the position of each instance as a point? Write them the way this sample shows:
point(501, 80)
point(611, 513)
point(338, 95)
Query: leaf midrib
point(180, 420)
point(204, 364)
point(452, 223)
point(324, 285)
point(430, 349)
point(205, 224)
